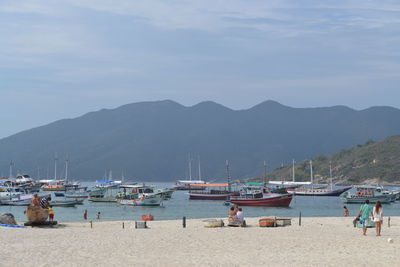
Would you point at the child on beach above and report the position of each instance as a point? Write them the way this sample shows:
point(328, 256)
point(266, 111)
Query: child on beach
point(51, 214)
point(85, 215)
point(98, 215)
point(345, 211)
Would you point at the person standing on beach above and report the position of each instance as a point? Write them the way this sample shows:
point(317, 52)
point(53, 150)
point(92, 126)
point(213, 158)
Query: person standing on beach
point(378, 217)
point(51, 214)
point(98, 215)
point(85, 215)
point(365, 212)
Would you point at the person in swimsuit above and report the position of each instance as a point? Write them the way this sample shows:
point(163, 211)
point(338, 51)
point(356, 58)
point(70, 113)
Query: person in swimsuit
point(377, 214)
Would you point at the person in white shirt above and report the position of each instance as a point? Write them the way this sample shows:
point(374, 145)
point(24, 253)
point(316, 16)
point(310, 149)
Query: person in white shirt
point(240, 215)
point(378, 217)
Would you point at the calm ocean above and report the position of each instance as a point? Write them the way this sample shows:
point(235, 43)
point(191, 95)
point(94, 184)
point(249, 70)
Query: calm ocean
point(180, 206)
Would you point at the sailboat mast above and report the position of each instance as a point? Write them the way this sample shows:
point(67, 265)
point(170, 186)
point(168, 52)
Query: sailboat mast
point(66, 169)
point(311, 174)
point(55, 166)
point(228, 175)
point(190, 168)
point(11, 168)
point(293, 175)
point(199, 170)
point(265, 172)
point(330, 173)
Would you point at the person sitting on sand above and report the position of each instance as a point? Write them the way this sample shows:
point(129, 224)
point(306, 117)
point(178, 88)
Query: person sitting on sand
point(231, 213)
point(35, 200)
point(240, 215)
point(345, 211)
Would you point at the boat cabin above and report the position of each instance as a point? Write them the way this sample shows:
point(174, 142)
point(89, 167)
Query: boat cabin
point(252, 191)
point(368, 191)
point(135, 191)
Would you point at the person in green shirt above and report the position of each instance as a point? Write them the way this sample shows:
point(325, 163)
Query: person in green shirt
point(364, 214)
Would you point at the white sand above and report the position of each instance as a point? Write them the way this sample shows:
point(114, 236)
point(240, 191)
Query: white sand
point(318, 242)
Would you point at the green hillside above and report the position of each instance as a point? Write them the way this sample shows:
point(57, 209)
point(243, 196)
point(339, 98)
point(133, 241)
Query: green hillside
point(372, 162)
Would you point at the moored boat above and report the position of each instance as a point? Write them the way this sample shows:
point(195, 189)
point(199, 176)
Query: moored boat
point(272, 200)
point(53, 185)
point(22, 200)
point(318, 190)
point(258, 196)
point(367, 192)
point(327, 192)
point(213, 192)
point(65, 203)
point(189, 185)
point(139, 195)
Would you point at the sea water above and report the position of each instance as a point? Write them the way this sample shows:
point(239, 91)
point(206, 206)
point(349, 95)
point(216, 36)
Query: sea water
point(180, 206)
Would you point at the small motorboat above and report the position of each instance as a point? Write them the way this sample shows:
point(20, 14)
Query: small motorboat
point(65, 203)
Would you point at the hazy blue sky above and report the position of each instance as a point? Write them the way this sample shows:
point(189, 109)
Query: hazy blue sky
point(63, 58)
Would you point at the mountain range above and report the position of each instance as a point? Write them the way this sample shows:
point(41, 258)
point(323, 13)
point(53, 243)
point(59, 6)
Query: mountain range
point(151, 141)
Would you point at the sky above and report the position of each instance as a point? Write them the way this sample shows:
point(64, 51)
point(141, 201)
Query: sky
point(63, 58)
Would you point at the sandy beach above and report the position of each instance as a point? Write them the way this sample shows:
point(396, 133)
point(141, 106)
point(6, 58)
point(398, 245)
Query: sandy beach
point(317, 242)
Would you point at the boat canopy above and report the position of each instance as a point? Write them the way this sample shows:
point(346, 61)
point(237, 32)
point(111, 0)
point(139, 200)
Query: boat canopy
point(135, 186)
point(107, 182)
point(209, 185)
point(190, 182)
point(288, 183)
point(367, 187)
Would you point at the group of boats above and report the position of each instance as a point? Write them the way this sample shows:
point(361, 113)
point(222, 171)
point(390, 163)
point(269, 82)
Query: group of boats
point(20, 190)
point(129, 194)
point(19, 193)
point(280, 193)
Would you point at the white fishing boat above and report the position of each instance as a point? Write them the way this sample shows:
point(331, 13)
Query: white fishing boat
point(7, 193)
point(372, 193)
point(81, 193)
point(139, 195)
point(23, 179)
point(22, 199)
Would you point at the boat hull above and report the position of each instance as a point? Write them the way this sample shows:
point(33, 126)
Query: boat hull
point(319, 192)
point(200, 196)
point(76, 196)
point(353, 199)
point(266, 201)
point(53, 189)
point(67, 203)
point(102, 199)
point(155, 200)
